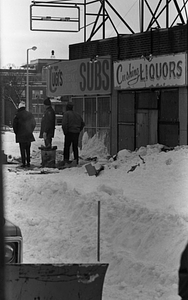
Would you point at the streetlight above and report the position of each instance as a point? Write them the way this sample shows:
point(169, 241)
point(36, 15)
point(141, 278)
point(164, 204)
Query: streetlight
point(27, 84)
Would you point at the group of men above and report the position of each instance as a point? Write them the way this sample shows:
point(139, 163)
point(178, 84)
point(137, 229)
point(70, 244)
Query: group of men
point(24, 124)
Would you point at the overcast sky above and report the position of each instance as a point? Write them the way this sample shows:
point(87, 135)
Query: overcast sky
point(16, 36)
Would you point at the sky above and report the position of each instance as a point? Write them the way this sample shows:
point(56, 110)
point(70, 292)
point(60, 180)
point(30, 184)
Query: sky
point(16, 36)
point(143, 214)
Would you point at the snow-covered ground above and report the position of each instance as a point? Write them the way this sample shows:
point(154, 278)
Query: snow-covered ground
point(144, 215)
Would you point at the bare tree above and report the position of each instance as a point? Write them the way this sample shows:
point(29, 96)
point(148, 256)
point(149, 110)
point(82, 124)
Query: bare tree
point(13, 83)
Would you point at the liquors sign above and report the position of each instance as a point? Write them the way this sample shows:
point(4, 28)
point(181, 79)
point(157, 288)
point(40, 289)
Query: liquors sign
point(161, 71)
point(79, 77)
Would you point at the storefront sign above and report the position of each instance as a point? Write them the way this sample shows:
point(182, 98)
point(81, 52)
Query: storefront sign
point(79, 77)
point(161, 71)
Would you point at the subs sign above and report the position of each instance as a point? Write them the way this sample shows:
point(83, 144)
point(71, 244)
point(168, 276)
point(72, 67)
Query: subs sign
point(161, 71)
point(79, 77)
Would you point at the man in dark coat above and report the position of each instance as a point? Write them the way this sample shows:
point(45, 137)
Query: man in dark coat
point(183, 275)
point(72, 125)
point(48, 124)
point(23, 125)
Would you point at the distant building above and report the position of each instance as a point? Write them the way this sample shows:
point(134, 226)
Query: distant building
point(37, 89)
point(13, 90)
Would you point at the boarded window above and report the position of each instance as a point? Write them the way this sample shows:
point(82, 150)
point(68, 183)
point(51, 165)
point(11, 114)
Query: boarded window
point(103, 112)
point(146, 100)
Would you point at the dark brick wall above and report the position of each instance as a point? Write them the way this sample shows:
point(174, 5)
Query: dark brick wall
point(92, 48)
point(157, 42)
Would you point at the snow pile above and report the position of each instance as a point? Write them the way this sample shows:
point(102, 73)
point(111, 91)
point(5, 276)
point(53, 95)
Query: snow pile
point(144, 217)
point(93, 147)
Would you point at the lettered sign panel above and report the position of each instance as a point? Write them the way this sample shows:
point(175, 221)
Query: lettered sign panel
point(79, 77)
point(160, 71)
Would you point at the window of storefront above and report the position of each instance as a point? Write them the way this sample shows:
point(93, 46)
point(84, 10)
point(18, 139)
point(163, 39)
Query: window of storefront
point(90, 115)
point(96, 111)
point(103, 119)
point(146, 100)
point(148, 117)
point(169, 118)
point(126, 121)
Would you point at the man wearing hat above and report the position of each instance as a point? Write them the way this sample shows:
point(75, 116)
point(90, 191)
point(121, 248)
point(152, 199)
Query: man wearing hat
point(48, 124)
point(23, 125)
point(72, 125)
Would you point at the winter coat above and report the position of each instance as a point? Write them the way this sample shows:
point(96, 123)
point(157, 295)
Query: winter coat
point(72, 122)
point(183, 275)
point(48, 123)
point(23, 125)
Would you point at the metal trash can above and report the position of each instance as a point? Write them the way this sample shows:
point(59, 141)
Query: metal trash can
point(48, 156)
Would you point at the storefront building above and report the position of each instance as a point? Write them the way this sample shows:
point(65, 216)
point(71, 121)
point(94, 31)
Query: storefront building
point(148, 102)
point(152, 101)
point(88, 85)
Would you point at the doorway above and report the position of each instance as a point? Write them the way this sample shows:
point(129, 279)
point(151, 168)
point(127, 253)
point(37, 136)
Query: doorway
point(146, 127)
point(137, 119)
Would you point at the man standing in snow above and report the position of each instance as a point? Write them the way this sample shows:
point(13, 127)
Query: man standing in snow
point(72, 125)
point(48, 124)
point(23, 125)
point(183, 275)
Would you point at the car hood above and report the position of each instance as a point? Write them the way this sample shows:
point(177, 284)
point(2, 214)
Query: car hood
point(11, 230)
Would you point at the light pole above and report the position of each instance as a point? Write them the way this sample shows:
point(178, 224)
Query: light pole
point(27, 83)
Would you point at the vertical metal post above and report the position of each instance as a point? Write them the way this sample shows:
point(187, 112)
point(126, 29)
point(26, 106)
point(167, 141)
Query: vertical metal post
point(141, 15)
point(96, 116)
point(103, 4)
point(27, 75)
point(98, 232)
point(3, 105)
point(2, 265)
point(85, 11)
point(27, 82)
point(167, 14)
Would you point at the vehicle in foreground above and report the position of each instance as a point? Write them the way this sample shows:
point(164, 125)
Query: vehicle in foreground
point(48, 281)
point(13, 243)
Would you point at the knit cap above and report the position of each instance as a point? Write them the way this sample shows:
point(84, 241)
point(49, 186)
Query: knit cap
point(47, 101)
point(21, 104)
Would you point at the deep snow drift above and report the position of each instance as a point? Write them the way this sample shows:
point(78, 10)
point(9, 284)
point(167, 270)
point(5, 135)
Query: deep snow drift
point(144, 215)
